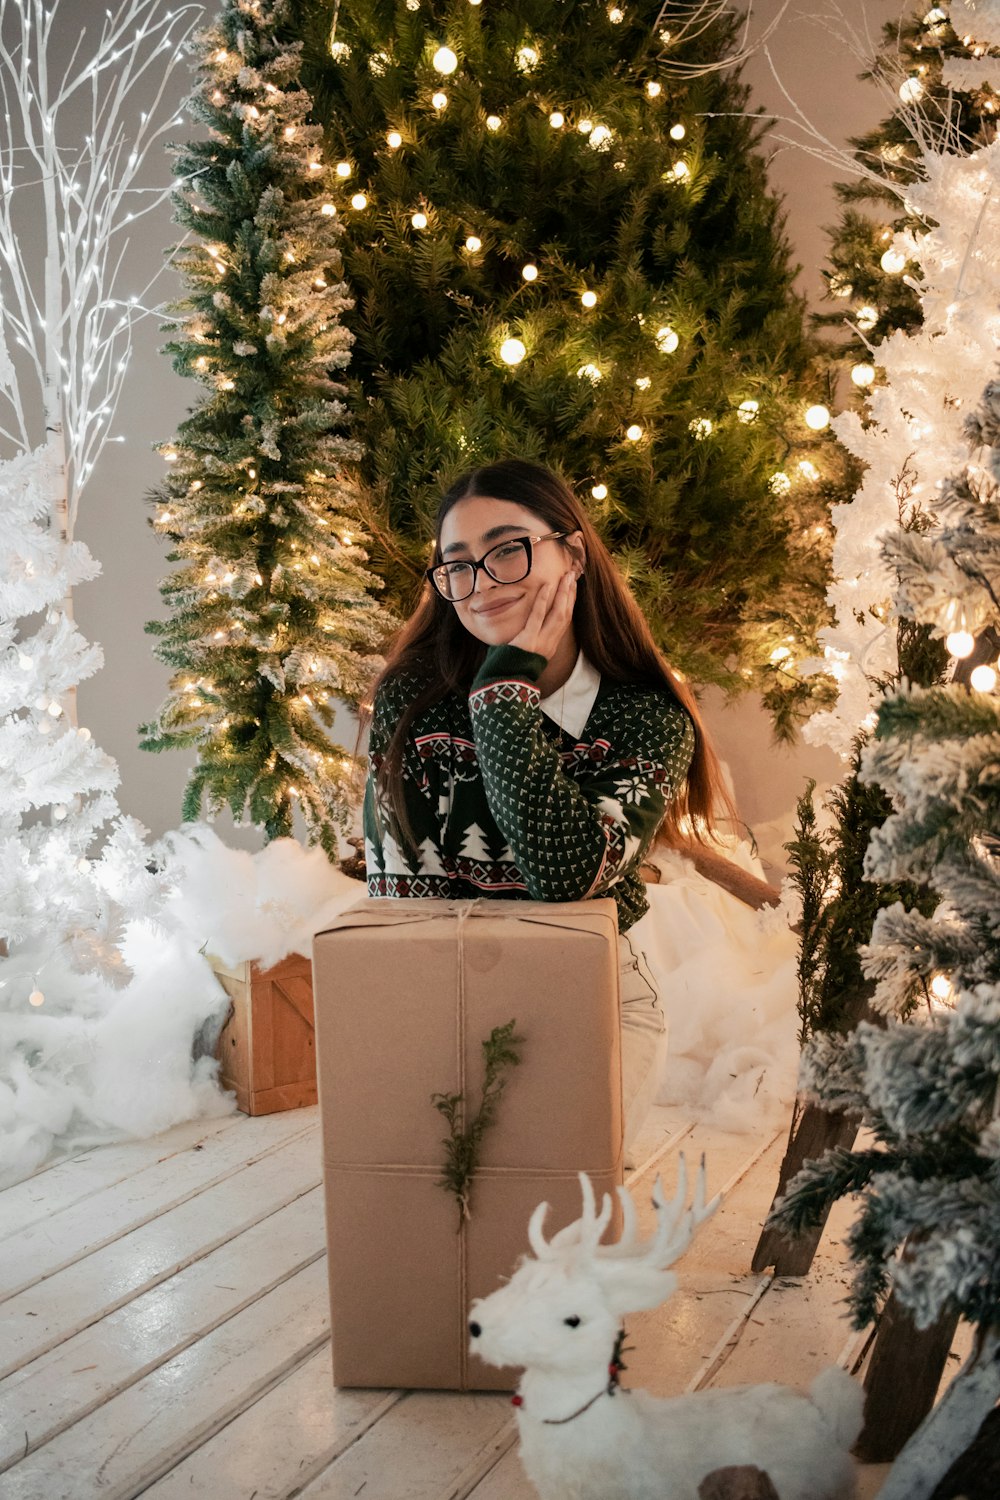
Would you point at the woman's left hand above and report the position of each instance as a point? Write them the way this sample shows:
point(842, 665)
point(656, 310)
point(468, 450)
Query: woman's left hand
point(550, 617)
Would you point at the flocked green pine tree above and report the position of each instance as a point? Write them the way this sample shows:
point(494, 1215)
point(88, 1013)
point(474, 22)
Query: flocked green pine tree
point(273, 618)
point(928, 1087)
point(562, 245)
point(919, 51)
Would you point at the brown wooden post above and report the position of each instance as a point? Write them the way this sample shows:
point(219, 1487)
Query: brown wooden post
point(976, 1475)
point(902, 1380)
point(737, 1483)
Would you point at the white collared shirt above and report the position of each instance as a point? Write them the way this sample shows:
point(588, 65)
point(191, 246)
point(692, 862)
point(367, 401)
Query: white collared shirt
point(569, 706)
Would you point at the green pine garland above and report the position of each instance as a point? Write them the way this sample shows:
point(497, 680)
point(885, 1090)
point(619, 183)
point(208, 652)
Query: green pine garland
point(501, 1052)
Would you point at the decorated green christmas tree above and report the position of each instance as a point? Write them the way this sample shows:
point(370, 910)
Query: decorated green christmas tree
point(561, 244)
point(273, 616)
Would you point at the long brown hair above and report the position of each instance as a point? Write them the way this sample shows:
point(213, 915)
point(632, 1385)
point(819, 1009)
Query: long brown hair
point(610, 630)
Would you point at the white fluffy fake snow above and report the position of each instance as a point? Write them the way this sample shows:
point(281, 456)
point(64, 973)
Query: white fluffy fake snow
point(727, 981)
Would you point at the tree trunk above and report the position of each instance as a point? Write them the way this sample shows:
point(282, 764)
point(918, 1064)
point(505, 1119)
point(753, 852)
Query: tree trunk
point(976, 1475)
point(738, 1483)
point(902, 1380)
point(813, 1131)
point(951, 1427)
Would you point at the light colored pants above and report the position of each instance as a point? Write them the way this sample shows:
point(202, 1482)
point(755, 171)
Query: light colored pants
point(644, 1037)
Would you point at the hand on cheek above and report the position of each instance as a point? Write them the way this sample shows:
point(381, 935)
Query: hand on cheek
point(550, 616)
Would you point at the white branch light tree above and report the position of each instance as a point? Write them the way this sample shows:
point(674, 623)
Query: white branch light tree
point(75, 953)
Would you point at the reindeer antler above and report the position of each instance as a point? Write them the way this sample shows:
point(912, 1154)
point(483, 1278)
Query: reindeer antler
point(584, 1233)
point(674, 1228)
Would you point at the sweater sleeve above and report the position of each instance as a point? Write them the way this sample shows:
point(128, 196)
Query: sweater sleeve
point(387, 855)
point(573, 838)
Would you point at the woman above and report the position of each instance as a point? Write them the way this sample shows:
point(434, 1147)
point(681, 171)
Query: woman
point(527, 739)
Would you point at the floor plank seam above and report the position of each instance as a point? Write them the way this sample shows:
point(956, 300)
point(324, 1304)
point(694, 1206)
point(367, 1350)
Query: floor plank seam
point(32, 1446)
point(200, 1435)
point(730, 1338)
point(673, 1140)
point(320, 1466)
point(165, 1208)
point(467, 1483)
point(147, 1286)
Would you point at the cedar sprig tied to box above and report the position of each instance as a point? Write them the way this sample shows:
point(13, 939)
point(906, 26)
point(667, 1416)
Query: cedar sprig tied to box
point(500, 1054)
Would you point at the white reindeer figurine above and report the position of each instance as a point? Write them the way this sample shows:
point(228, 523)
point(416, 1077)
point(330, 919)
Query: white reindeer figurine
point(584, 1438)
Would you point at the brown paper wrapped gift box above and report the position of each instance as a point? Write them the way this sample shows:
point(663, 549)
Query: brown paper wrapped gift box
point(406, 993)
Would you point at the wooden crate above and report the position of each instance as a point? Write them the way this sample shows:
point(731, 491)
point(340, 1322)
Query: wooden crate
point(267, 1046)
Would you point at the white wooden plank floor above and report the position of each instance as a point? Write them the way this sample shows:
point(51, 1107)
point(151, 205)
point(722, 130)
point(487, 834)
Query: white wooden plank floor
point(164, 1326)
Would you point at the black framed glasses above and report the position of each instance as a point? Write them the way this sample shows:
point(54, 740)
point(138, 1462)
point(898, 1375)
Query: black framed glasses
point(507, 562)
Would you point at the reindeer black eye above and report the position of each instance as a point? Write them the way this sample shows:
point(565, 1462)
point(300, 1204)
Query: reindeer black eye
point(573, 1322)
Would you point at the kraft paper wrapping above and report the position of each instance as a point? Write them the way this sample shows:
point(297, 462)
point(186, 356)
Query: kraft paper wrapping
point(406, 993)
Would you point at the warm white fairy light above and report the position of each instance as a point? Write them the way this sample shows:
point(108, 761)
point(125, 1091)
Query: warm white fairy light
point(590, 372)
point(960, 643)
point(418, 220)
point(358, 201)
point(589, 299)
point(747, 410)
point(863, 375)
point(444, 60)
point(681, 170)
point(808, 469)
point(526, 58)
point(329, 210)
point(666, 339)
point(779, 483)
point(643, 382)
point(893, 261)
point(616, 15)
point(866, 318)
point(700, 428)
point(941, 987)
point(910, 90)
point(585, 126)
point(633, 432)
point(394, 140)
point(600, 138)
point(599, 491)
point(343, 169)
point(529, 272)
point(817, 417)
point(36, 997)
point(780, 653)
point(653, 89)
point(493, 122)
point(678, 132)
point(983, 678)
point(340, 51)
point(439, 100)
point(557, 119)
point(473, 244)
point(512, 351)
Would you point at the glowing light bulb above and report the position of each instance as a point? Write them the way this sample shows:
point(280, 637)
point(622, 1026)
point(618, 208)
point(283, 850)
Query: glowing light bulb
point(643, 382)
point(960, 643)
point(529, 272)
point(808, 470)
point(666, 339)
point(941, 987)
point(681, 170)
point(473, 244)
point(512, 351)
point(653, 89)
point(863, 375)
point(493, 122)
point(343, 169)
point(600, 492)
point(589, 299)
point(36, 998)
point(557, 119)
point(817, 417)
point(678, 132)
point(701, 428)
point(633, 432)
point(439, 101)
point(358, 201)
point(779, 483)
point(590, 372)
point(910, 90)
point(329, 211)
point(418, 220)
point(394, 140)
point(780, 653)
point(983, 678)
point(170, 457)
point(585, 126)
point(600, 138)
point(616, 15)
point(867, 317)
point(339, 51)
point(444, 60)
point(526, 59)
point(893, 261)
point(747, 411)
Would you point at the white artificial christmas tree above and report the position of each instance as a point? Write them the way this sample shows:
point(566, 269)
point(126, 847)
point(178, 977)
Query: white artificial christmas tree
point(99, 1002)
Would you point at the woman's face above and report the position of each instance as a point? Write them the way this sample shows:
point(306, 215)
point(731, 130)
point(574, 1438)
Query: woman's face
point(497, 612)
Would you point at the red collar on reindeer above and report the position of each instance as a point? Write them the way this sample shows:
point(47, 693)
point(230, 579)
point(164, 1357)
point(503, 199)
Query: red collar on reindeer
point(615, 1367)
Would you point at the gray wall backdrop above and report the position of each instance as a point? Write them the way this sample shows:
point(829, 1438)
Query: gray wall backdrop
point(820, 72)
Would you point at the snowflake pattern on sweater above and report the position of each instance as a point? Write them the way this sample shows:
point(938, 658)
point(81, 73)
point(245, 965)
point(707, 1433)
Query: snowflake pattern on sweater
point(504, 803)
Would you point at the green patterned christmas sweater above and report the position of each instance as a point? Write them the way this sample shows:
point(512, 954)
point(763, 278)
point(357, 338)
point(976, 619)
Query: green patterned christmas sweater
point(504, 803)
